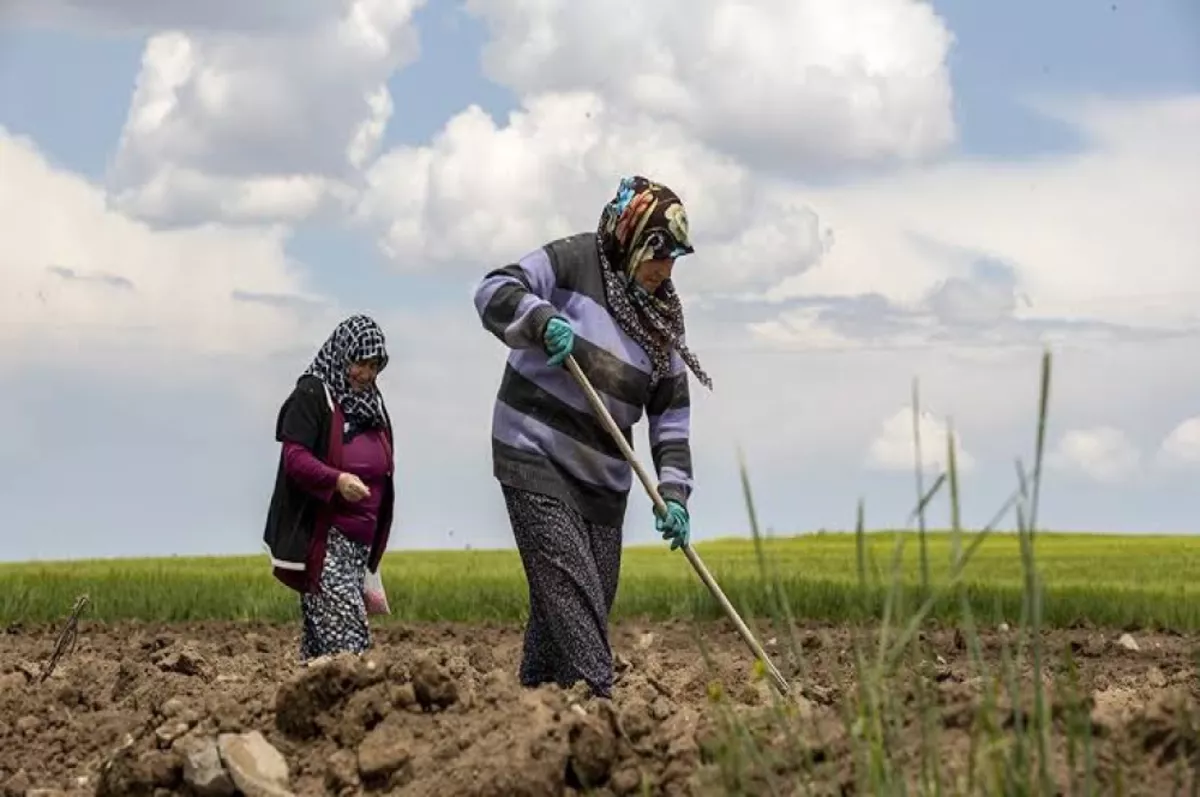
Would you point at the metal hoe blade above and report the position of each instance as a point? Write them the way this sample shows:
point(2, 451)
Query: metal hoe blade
point(661, 508)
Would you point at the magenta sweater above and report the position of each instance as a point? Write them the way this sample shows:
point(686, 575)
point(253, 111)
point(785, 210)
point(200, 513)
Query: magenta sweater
point(365, 456)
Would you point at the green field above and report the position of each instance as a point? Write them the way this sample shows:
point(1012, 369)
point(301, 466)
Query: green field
point(1145, 581)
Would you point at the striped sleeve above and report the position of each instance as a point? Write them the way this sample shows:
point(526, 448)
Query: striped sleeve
point(669, 415)
point(513, 301)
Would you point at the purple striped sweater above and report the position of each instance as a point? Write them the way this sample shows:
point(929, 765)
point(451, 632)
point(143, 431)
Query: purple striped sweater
point(545, 437)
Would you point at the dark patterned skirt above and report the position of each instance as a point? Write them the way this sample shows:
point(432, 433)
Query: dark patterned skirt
point(335, 617)
point(572, 566)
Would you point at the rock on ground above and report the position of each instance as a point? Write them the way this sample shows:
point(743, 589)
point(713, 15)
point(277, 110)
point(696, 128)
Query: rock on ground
point(257, 768)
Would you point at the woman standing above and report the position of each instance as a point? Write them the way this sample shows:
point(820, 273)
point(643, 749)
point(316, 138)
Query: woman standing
point(607, 298)
point(331, 510)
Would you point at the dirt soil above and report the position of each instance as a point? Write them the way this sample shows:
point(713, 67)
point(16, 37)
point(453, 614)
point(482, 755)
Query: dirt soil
point(435, 710)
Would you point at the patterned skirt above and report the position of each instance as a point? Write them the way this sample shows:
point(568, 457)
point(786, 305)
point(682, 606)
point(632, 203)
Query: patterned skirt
point(335, 617)
point(573, 567)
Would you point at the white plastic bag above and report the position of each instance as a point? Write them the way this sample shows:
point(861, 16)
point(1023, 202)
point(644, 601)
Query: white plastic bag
point(375, 595)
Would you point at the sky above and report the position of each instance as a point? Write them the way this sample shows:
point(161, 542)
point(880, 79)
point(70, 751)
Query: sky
point(880, 191)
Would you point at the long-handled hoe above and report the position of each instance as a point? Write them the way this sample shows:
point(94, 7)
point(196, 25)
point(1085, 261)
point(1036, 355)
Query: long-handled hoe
point(661, 508)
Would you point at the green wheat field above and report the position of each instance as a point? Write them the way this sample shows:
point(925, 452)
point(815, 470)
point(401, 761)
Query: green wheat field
point(1107, 580)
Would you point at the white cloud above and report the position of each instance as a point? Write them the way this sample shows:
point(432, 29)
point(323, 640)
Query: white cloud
point(81, 278)
point(895, 446)
point(1182, 446)
point(795, 84)
point(276, 126)
point(1068, 252)
point(789, 83)
point(1102, 453)
point(481, 194)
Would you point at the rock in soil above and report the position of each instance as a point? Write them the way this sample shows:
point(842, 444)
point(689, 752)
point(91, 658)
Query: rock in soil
point(257, 768)
point(203, 770)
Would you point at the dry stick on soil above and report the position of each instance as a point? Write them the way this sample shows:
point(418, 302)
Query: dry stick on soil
point(660, 508)
point(66, 638)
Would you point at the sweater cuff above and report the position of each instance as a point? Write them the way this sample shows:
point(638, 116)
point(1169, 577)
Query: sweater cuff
point(539, 317)
point(673, 492)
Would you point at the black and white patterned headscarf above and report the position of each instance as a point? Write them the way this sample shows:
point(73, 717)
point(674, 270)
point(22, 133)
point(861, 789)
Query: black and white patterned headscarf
point(356, 339)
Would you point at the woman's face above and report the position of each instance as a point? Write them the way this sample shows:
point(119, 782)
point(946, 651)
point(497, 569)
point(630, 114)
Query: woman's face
point(653, 273)
point(362, 374)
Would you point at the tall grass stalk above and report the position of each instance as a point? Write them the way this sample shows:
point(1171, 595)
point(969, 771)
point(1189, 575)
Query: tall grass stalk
point(919, 469)
point(1010, 753)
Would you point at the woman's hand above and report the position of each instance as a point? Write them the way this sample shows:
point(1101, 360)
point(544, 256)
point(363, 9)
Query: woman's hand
point(559, 340)
point(675, 525)
point(351, 487)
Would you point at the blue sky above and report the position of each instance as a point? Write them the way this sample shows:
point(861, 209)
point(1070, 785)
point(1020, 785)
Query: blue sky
point(1007, 52)
point(69, 89)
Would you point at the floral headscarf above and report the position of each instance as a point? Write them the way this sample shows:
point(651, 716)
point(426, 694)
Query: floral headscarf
point(646, 221)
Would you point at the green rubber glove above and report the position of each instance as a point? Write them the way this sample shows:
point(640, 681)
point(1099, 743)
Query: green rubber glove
point(674, 526)
point(559, 339)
